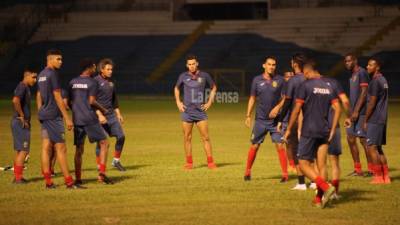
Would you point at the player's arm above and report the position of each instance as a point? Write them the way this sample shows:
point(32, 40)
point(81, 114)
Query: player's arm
point(179, 103)
point(293, 117)
point(274, 112)
point(115, 104)
point(18, 108)
point(300, 124)
point(61, 106)
point(336, 115)
point(96, 105)
point(210, 101)
point(38, 100)
point(360, 102)
point(346, 106)
point(250, 107)
point(370, 109)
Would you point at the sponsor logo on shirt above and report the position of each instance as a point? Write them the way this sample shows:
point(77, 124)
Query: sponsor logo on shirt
point(274, 84)
point(262, 84)
point(80, 86)
point(111, 84)
point(102, 84)
point(323, 91)
point(25, 144)
point(199, 79)
point(385, 86)
point(42, 79)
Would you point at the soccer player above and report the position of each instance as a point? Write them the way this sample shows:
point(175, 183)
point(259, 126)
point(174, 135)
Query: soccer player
point(266, 90)
point(376, 120)
point(315, 97)
point(297, 63)
point(358, 99)
point(111, 122)
point(193, 108)
point(20, 123)
point(82, 91)
point(287, 75)
point(51, 114)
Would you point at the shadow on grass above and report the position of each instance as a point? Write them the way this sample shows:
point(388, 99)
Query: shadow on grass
point(291, 177)
point(353, 195)
point(395, 178)
point(219, 165)
point(115, 179)
point(128, 168)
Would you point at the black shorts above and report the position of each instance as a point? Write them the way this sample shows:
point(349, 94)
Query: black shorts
point(376, 134)
point(94, 132)
point(308, 147)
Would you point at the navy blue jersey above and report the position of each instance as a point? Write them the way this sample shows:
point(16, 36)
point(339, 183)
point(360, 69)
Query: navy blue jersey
point(268, 92)
point(378, 87)
point(48, 81)
point(64, 94)
point(358, 79)
point(316, 96)
point(194, 87)
point(23, 92)
point(106, 95)
point(292, 88)
point(80, 88)
point(337, 91)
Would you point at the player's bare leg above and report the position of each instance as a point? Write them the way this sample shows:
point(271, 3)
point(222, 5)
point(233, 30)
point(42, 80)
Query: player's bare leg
point(19, 161)
point(45, 159)
point(289, 153)
point(103, 162)
point(363, 142)
point(334, 159)
point(251, 157)
point(205, 137)
point(79, 149)
point(61, 151)
point(280, 149)
point(385, 167)
point(355, 154)
point(187, 143)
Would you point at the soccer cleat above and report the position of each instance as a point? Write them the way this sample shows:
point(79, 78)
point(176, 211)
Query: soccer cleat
point(212, 166)
point(313, 186)
point(188, 166)
point(284, 180)
point(317, 203)
point(335, 196)
point(368, 174)
point(104, 179)
point(377, 180)
point(76, 186)
point(355, 174)
point(292, 169)
point(327, 195)
point(300, 187)
point(78, 182)
point(21, 181)
point(387, 179)
point(117, 164)
point(50, 186)
point(247, 178)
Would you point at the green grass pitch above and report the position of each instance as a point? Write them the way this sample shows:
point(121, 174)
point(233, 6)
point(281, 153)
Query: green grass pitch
point(156, 189)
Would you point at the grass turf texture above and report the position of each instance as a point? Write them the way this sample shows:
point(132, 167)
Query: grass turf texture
point(156, 189)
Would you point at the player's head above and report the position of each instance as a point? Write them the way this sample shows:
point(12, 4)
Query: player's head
point(30, 74)
point(269, 65)
point(191, 63)
point(297, 61)
point(309, 68)
point(54, 58)
point(374, 65)
point(87, 66)
point(287, 74)
point(350, 61)
point(105, 67)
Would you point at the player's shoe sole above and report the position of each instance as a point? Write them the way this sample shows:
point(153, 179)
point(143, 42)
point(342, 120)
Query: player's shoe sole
point(327, 196)
point(387, 180)
point(118, 165)
point(50, 186)
point(377, 180)
point(300, 187)
point(104, 179)
point(76, 186)
point(188, 166)
point(22, 181)
point(247, 178)
point(355, 174)
point(212, 166)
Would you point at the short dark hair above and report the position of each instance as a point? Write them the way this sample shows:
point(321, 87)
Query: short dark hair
point(271, 57)
point(86, 63)
point(53, 51)
point(310, 62)
point(104, 62)
point(352, 55)
point(299, 58)
point(191, 57)
point(377, 60)
point(31, 68)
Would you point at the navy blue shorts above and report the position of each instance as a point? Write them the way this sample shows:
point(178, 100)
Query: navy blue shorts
point(261, 129)
point(308, 147)
point(376, 134)
point(113, 127)
point(335, 147)
point(284, 127)
point(193, 115)
point(356, 128)
point(94, 132)
point(21, 136)
point(53, 130)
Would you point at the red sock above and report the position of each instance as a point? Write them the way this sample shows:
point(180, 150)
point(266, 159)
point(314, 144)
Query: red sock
point(335, 183)
point(78, 174)
point(357, 167)
point(321, 183)
point(102, 168)
point(385, 170)
point(250, 159)
point(98, 160)
point(210, 159)
point(370, 167)
point(189, 159)
point(47, 178)
point(68, 180)
point(283, 161)
point(291, 163)
point(378, 170)
point(18, 170)
point(117, 154)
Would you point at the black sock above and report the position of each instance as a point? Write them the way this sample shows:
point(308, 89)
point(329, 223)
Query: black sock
point(301, 179)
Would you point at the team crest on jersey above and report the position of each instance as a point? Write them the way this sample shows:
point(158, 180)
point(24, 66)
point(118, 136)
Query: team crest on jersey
point(262, 84)
point(274, 84)
point(63, 136)
point(199, 79)
point(354, 78)
point(111, 84)
point(25, 144)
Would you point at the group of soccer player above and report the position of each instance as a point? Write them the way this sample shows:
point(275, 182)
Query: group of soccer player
point(95, 113)
point(301, 111)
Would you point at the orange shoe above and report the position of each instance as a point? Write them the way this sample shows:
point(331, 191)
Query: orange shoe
point(377, 180)
point(188, 166)
point(212, 166)
point(387, 180)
